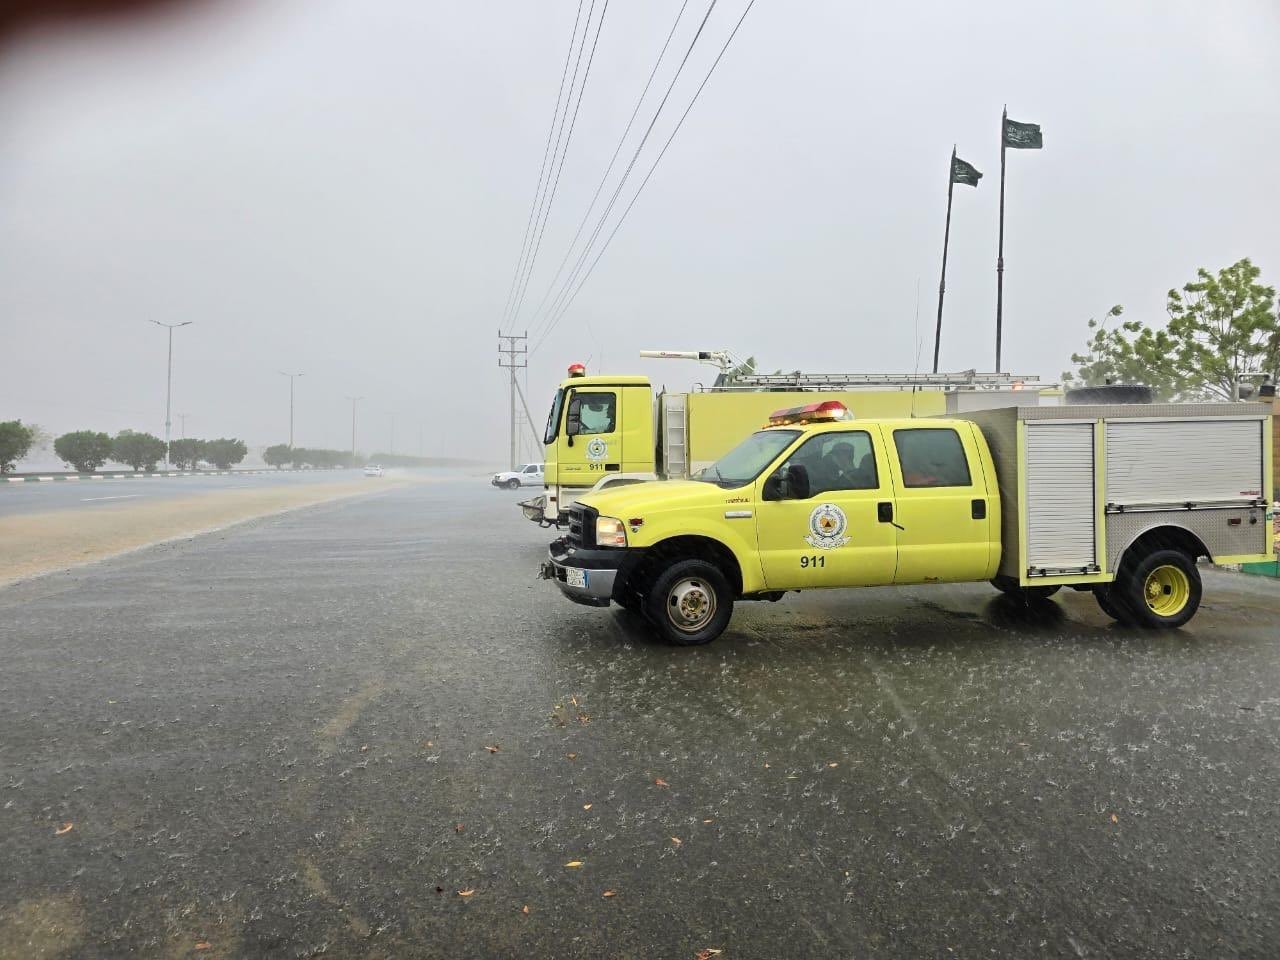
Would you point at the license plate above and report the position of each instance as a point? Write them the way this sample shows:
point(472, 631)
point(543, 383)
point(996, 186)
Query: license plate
point(575, 577)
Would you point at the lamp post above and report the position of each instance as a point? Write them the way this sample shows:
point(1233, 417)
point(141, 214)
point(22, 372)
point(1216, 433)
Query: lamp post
point(168, 389)
point(353, 423)
point(292, 377)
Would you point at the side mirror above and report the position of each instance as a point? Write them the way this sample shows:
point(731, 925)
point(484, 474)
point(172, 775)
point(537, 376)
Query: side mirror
point(797, 482)
point(573, 419)
point(791, 483)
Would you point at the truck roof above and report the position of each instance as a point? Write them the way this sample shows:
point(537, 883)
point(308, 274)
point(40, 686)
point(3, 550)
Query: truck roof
point(606, 380)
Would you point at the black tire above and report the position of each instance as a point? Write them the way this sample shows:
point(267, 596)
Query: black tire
point(1159, 591)
point(512, 484)
point(689, 603)
point(1011, 588)
point(1111, 605)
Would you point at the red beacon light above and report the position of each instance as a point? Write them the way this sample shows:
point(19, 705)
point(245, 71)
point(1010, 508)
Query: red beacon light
point(825, 412)
point(577, 370)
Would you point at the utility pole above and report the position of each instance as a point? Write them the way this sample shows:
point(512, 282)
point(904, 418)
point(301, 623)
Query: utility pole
point(353, 423)
point(168, 388)
point(512, 358)
point(182, 420)
point(292, 377)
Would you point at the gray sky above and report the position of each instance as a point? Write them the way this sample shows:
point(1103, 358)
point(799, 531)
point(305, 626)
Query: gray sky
point(341, 187)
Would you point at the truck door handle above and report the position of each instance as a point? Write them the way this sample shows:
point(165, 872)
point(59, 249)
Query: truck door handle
point(884, 513)
point(979, 509)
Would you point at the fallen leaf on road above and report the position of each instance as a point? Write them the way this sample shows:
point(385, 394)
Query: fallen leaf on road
point(608, 893)
point(466, 893)
point(203, 944)
point(365, 748)
point(572, 756)
point(708, 821)
point(586, 806)
point(525, 908)
point(1114, 818)
point(459, 827)
point(574, 700)
point(65, 828)
point(707, 953)
point(583, 718)
point(431, 743)
point(677, 841)
point(833, 764)
point(574, 864)
point(766, 766)
point(493, 749)
point(661, 783)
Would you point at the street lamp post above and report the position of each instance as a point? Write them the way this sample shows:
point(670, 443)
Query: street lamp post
point(168, 389)
point(292, 377)
point(353, 423)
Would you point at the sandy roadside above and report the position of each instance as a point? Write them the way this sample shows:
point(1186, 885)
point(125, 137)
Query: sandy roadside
point(38, 543)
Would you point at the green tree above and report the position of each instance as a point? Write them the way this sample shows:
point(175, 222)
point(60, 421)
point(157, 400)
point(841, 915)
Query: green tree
point(142, 451)
point(186, 454)
point(84, 449)
point(277, 455)
point(16, 439)
point(1223, 331)
point(224, 453)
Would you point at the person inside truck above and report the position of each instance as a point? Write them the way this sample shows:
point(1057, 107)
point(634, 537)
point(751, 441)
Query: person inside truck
point(842, 469)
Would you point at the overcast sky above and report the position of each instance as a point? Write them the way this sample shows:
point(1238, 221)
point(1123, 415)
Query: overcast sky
point(341, 187)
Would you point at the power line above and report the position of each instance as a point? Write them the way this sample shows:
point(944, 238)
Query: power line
point(560, 314)
point(551, 196)
point(612, 160)
point(545, 152)
point(586, 250)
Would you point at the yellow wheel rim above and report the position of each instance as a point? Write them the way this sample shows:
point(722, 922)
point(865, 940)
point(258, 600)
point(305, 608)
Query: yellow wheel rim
point(1167, 590)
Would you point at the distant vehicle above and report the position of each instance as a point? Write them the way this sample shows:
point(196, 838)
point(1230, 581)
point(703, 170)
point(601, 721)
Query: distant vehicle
point(525, 475)
point(373, 470)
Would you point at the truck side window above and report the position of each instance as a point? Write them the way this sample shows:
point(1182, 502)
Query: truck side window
point(837, 461)
point(932, 458)
point(597, 412)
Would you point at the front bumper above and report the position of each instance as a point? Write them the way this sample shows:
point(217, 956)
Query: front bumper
point(595, 573)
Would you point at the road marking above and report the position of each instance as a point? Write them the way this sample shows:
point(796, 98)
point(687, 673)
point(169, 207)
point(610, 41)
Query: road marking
point(127, 496)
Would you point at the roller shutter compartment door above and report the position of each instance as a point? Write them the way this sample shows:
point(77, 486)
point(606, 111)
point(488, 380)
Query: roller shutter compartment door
point(1181, 461)
point(1060, 496)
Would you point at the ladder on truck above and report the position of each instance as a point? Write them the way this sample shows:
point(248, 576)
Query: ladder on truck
point(675, 435)
point(965, 380)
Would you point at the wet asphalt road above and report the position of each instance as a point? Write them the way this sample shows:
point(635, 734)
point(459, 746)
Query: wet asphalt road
point(276, 741)
point(45, 495)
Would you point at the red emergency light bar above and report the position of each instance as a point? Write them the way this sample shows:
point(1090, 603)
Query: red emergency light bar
point(825, 411)
point(577, 370)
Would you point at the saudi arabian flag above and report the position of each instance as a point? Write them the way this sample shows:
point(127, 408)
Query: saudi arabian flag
point(1022, 136)
point(962, 171)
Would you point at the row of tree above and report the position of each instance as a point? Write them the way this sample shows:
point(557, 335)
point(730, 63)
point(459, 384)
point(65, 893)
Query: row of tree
point(1222, 337)
point(87, 450)
point(283, 455)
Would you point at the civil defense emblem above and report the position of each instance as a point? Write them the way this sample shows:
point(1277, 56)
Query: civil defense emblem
point(597, 449)
point(826, 527)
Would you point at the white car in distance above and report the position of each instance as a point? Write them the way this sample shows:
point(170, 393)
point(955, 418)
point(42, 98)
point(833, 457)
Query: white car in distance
point(373, 470)
point(525, 475)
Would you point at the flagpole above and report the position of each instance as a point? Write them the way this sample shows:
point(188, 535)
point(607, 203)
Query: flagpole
point(1004, 114)
point(946, 240)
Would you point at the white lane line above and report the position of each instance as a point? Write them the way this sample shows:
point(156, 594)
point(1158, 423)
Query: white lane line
point(127, 496)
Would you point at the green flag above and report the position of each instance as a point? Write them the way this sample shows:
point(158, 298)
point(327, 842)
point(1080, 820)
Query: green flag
point(962, 171)
point(1022, 136)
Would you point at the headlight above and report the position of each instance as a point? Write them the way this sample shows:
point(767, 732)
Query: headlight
point(610, 532)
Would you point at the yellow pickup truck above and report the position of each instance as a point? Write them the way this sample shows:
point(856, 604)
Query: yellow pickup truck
point(1120, 500)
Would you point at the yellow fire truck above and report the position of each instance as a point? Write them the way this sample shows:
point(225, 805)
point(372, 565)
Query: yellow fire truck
point(607, 430)
point(1117, 499)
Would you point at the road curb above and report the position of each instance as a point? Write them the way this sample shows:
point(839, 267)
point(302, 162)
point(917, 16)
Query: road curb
point(62, 478)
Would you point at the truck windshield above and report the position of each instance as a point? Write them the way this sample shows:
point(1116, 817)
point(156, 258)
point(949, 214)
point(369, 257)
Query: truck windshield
point(744, 462)
point(553, 418)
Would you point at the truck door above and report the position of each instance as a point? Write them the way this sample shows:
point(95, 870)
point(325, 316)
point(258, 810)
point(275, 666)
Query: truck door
point(593, 441)
point(832, 534)
point(943, 508)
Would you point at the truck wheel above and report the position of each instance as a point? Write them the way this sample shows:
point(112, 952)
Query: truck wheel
point(1160, 590)
point(1011, 588)
point(512, 484)
point(1112, 606)
point(689, 603)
